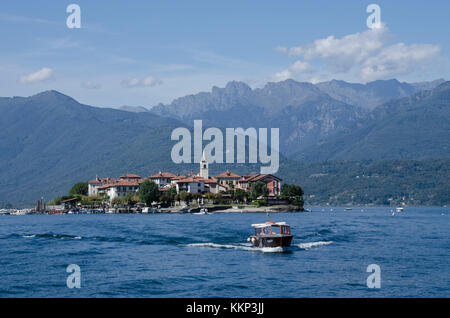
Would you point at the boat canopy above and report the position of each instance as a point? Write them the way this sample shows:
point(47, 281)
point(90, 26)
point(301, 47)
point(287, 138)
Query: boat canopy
point(258, 225)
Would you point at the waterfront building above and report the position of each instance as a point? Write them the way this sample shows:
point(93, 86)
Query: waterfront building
point(228, 178)
point(93, 185)
point(272, 182)
point(128, 183)
point(192, 184)
point(163, 178)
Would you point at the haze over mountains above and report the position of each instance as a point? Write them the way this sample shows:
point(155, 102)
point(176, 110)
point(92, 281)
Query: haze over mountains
point(49, 141)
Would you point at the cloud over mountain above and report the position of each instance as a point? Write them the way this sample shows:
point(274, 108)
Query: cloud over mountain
point(363, 55)
point(39, 76)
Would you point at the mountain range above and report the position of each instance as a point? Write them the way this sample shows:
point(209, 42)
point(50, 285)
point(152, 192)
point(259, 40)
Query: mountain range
point(306, 114)
point(413, 127)
point(49, 141)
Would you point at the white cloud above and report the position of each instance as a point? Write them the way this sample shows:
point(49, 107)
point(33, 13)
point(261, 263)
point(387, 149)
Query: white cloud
point(298, 68)
point(398, 59)
point(39, 76)
point(354, 47)
point(360, 56)
point(148, 81)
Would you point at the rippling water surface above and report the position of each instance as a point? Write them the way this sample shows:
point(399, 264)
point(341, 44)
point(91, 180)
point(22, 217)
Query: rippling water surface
point(182, 255)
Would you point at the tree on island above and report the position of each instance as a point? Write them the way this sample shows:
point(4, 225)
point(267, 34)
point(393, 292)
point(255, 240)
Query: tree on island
point(81, 188)
point(186, 197)
point(258, 189)
point(239, 195)
point(291, 190)
point(148, 192)
point(168, 197)
point(294, 193)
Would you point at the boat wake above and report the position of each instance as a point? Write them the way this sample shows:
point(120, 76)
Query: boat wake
point(239, 246)
point(52, 235)
point(249, 247)
point(310, 245)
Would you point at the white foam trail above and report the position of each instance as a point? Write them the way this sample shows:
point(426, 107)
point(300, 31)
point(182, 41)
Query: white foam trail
point(241, 246)
point(309, 245)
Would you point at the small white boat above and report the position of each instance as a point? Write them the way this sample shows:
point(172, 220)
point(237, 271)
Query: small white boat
point(399, 209)
point(146, 210)
point(20, 212)
point(203, 211)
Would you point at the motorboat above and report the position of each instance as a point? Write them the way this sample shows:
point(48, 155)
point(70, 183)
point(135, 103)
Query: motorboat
point(203, 211)
point(271, 234)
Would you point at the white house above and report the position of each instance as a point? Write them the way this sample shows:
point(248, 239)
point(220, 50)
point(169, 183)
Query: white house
point(163, 178)
point(128, 183)
point(192, 184)
point(93, 185)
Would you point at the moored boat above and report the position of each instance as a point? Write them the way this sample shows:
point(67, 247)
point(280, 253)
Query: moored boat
point(271, 234)
point(203, 211)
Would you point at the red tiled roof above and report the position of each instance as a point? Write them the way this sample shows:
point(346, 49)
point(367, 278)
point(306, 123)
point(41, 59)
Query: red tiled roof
point(105, 186)
point(102, 180)
point(130, 176)
point(167, 175)
point(127, 183)
point(210, 180)
point(122, 183)
point(228, 174)
point(247, 177)
point(191, 179)
point(256, 177)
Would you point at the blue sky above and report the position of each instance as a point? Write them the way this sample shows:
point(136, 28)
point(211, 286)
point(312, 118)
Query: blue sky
point(148, 52)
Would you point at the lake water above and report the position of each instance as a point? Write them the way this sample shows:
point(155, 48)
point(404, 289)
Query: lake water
point(182, 255)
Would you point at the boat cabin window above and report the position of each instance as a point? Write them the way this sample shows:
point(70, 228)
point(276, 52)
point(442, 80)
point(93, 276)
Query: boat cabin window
point(274, 229)
point(262, 230)
point(285, 229)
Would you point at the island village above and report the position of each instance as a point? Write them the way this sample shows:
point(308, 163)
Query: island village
point(169, 192)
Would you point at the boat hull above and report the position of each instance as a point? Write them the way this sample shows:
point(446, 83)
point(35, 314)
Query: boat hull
point(271, 240)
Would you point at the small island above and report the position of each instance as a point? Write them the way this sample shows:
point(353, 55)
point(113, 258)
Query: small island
point(168, 192)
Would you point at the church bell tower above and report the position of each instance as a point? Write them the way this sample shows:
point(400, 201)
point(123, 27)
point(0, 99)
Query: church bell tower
point(204, 167)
